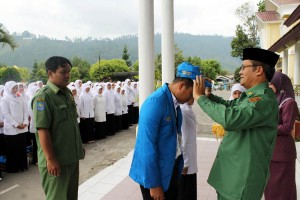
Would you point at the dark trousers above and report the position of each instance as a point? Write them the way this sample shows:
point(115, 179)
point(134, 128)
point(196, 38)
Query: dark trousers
point(31, 140)
point(118, 122)
point(2, 145)
point(187, 188)
point(87, 129)
point(16, 155)
point(100, 130)
point(130, 114)
point(125, 122)
point(135, 114)
point(110, 123)
point(172, 192)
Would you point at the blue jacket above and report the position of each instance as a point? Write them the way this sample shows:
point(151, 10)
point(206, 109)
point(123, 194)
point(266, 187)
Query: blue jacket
point(155, 148)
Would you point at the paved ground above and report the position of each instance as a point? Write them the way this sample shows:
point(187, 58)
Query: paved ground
point(104, 171)
point(99, 156)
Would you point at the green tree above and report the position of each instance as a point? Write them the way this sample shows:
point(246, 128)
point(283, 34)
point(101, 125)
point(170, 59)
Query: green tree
point(41, 75)
point(261, 6)
point(75, 74)
point(125, 56)
point(210, 68)
point(33, 72)
point(9, 74)
point(237, 74)
point(240, 42)
point(6, 38)
point(247, 33)
point(83, 66)
point(135, 68)
point(24, 73)
point(196, 61)
point(179, 58)
point(107, 68)
point(158, 67)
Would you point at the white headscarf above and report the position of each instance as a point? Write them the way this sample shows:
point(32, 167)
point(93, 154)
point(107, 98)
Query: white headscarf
point(235, 87)
point(7, 91)
point(97, 88)
point(84, 86)
point(32, 91)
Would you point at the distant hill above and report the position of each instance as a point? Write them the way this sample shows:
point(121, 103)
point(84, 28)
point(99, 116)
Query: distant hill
point(31, 48)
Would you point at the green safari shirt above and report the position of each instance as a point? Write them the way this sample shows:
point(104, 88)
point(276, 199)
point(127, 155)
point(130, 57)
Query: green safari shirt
point(54, 109)
point(241, 167)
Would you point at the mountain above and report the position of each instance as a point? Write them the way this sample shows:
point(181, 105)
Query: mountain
point(32, 48)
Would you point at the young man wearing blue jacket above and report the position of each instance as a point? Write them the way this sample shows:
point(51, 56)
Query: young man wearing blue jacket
point(157, 160)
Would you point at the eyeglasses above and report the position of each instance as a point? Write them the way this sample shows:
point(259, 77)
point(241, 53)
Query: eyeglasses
point(245, 66)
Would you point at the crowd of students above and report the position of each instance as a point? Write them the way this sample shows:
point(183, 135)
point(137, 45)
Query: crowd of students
point(103, 109)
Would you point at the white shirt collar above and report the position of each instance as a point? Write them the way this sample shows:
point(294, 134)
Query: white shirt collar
point(176, 103)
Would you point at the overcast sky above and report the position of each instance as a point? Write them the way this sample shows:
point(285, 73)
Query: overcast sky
point(113, 18)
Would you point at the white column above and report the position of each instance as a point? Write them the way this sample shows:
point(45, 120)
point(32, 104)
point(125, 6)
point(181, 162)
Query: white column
point(297, 64)
point(285, 62)
point(146, 49)
point(167, 41)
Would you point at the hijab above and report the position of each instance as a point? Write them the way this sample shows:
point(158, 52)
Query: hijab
point(235, 87)
point(32, 91)
point(8, 94)
point(284, 87)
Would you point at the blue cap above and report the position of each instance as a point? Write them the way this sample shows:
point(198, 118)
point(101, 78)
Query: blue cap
point(187, 70)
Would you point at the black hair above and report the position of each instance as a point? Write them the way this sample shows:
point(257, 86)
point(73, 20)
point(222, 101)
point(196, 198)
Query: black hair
point(54, 62)
point(268, 69)
point(187, 81)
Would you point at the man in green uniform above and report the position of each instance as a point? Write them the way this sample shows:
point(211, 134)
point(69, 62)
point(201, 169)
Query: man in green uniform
point(58, 137)
point(241, 167)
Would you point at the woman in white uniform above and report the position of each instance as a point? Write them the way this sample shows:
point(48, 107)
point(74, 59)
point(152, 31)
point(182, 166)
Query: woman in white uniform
point(118, 110)
point(110, 109)
point(100, 115)
point(86, 108)
point(31, 136)
point(15, 127)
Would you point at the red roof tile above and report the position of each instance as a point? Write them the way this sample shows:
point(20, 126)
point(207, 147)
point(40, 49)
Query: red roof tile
point(268, 16)
point(284, 2)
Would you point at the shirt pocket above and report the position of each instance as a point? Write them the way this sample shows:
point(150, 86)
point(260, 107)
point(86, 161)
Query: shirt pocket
point(61, 113)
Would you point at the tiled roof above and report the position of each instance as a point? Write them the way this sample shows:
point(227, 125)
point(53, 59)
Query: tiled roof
point(268, 16)
point(284, 2)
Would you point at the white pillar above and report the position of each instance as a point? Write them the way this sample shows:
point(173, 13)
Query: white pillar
point(285, 62)
point(297, 64)
point(167, 41)
point(146, 49)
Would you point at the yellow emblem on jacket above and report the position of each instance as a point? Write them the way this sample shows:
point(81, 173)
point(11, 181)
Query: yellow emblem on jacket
point(254, 99)
point(168, 118)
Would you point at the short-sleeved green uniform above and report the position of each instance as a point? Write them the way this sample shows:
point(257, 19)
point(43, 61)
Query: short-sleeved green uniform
point(54, 109)
point(241, 167)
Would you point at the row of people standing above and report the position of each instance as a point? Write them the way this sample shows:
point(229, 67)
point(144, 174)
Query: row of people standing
point(105, 108)
point(17, 129)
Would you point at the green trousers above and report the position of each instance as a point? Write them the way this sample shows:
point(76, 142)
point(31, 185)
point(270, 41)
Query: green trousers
point(63, 187)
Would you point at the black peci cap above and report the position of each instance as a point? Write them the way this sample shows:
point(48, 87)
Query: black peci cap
point(261, 55)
